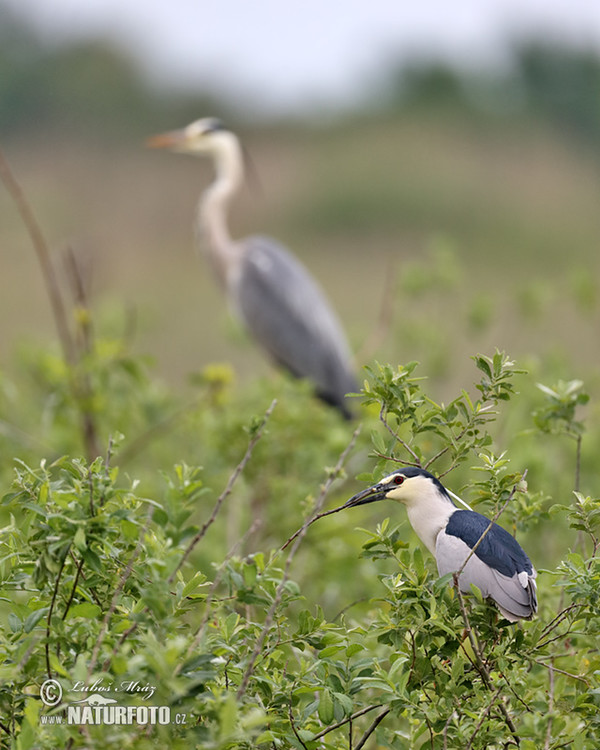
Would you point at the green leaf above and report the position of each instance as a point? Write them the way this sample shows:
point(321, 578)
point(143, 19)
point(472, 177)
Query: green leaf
point(14, 622)
point(344, 701)
point(325, 709)
point(199, 579)
point(92, 560)
point(129, 529)
point(354, 648)
point(79, 539)
point(86, 609)
point(34, 618)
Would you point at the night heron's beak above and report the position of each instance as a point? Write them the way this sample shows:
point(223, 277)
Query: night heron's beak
point(173, 139)
point(370, 495)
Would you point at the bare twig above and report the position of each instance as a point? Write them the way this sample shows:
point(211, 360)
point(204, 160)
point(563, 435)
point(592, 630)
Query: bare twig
point(553, 624)
point(74, 587)
point(446, 728)
point(43, 254)
point(293, 725)
point(200, 632)
point(50, 611)
point(483, 717)
point(83, 346)
point(372, 728)
point(550, 706)
point(90, 478)
point(237, 471)
point(479, 663)
point(308, 523)
point(397, 437)
point(79, 290)
point(298, 537)
point(226, 492)
point(117, 593)
point(385, 318)
point(345, 721)
point(578, 462)
point(124, 636)
point(491, 523)
point(561, 671)
point(79, 382)
point(159, 428)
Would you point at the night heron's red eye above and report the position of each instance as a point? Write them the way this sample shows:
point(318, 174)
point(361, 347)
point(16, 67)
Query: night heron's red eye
point(398, 479)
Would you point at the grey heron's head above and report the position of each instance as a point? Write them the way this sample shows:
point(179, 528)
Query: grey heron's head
point(205, 136)
point(409, 485)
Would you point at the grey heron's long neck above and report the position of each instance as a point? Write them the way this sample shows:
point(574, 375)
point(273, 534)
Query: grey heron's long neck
point(213, 210)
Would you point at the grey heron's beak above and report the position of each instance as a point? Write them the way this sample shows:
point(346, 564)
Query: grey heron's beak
point(370, 495)
point(173, 139)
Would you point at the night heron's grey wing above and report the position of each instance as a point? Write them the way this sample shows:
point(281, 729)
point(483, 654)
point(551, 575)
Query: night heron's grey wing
point(499, 567)
point(288, 314)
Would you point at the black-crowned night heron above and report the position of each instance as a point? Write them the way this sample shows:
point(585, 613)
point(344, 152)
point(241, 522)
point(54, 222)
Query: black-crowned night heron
point(499, 567)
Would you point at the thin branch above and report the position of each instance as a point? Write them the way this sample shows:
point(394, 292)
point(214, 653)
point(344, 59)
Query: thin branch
point(292, 724)
point(397, 437)
point(372, 728)
point(79, 291)
point(226, 492)
point(479, 663)
point(483, 717)
point(550, 707)
point(491, 523)
point(578, 462)
point(553, 624)
point(124, 636)
point(83, 346)
point(159, 428)
point(92, 590)
point(43, 254)
point(299, 537)
point(562, 671)
point(385, 318)
point(91, 490)
point(79, 382)
point(73, 588)
point(113, 604)
point(237, 471)
point(345, 721)
point(446, 728)
point(209, 599)
point(50, 611)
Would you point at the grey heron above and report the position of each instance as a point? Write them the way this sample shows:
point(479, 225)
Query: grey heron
point(498, 567)
point(272, 293)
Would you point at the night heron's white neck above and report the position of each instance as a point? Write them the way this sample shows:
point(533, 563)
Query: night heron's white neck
point(427, 508)
point(213, 206)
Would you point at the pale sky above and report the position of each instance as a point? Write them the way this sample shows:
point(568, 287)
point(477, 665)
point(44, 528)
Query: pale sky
point(286, 53)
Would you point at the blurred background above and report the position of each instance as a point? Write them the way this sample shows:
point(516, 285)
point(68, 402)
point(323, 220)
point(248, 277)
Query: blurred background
point(436, 167)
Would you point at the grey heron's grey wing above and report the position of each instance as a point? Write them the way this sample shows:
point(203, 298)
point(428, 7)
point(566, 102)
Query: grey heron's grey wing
point(514, 594)
point(288, 314)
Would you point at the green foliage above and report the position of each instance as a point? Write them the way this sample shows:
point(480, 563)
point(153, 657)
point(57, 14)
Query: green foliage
point(141, 557)
point(557, 416)
point(96, 576)
point(424, 431)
